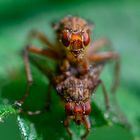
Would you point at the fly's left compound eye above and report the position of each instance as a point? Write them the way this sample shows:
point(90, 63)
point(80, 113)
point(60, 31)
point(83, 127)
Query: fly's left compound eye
point(66, 38)
point(69, 108)
point(86, 38)
point(87, 108)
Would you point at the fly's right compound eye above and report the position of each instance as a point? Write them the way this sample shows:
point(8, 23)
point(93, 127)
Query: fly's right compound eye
point(69, 108)
point(86, 38)
point(66, 38)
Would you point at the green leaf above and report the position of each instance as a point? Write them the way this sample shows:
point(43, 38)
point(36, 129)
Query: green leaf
point(5, 111)
point(27, 129)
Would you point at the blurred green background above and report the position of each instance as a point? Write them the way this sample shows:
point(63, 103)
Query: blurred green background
point(117, 20)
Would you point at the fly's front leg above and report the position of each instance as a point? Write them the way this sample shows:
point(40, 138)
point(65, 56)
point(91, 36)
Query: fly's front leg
point(83, 67)
point(44, 70)
point(105, 57)
point(87, 124)
point(40, 36)
point(29, 78)
point(66, 124)
point(98, 44)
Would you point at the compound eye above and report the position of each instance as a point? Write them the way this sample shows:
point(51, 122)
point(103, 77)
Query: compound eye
point(87, 108)
point(86, 38)
point(66, 38)
point(69, 108)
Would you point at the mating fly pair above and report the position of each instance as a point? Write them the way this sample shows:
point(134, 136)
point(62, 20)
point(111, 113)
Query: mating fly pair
point(79, 63)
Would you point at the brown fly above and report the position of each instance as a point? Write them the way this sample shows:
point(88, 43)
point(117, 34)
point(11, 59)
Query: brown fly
point(79, 63)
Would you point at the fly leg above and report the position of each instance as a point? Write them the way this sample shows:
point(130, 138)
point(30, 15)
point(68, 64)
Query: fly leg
point(98, 44)
point(47, 105)
point(104, 57)
point(87, 124)
point(66, 124)
point(105, 94)
point(94, 47)
point(36, 62)
point(29, 79)
point(40, 36)
point(106, 98)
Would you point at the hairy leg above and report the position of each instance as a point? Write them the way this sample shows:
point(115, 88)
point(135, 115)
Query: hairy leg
point(104, 57)
point(44, 52)
point(105, 94)
point(41, 37)
point(48, 100)
point(98, 44)
point(66, 124)
point(45, 70)
point(106, 98)
point(87, 125)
